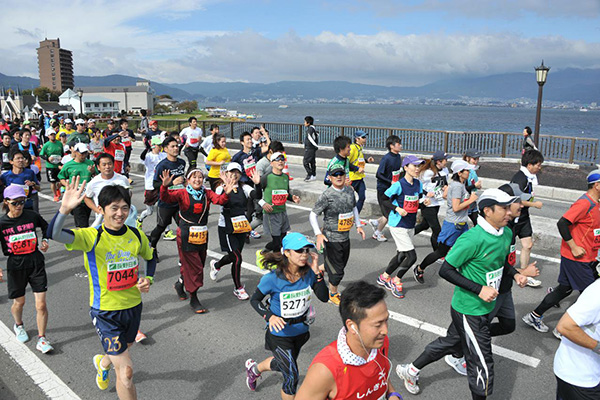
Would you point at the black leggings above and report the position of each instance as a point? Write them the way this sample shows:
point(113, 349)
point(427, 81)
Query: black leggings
point(553, 298)
point(235, 259)
point(275, 244)
point(163, 219)
point(430, 220)
point(402, 261)
point(473, 217)
point(441, 251)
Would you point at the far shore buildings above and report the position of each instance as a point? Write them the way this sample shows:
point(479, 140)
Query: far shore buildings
point(55, 65)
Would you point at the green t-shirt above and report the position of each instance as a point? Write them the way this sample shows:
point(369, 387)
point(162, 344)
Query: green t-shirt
point(52, 149)
point(276, 189)
point(478, 256)
point(73, 169)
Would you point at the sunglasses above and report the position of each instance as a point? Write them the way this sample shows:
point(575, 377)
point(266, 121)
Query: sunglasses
point(17, 203)
point(280, 159)
point(303, 250)
point(338, 174)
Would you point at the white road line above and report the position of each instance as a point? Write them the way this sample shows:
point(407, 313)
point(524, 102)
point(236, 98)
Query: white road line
point(422, 325)
point(45, 196)
point(42, 376)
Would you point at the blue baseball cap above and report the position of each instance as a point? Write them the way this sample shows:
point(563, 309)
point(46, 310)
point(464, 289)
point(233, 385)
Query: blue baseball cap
point(360, 133)
point(593, 176)
point(295, 241)
point(410, 159)
point(440, 155)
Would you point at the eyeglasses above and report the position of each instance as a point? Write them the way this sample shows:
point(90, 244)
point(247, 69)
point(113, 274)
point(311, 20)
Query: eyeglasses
point(338, 174)
point(303, 250)
point(17, 203)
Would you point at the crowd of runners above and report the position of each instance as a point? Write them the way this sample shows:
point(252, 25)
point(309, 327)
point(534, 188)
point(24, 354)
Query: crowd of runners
point(87, 170)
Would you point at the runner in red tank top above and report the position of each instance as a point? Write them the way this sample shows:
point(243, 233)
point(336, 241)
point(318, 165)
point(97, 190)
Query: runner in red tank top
point(356, 365)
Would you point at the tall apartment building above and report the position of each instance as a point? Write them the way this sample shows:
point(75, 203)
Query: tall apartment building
point(55, 65)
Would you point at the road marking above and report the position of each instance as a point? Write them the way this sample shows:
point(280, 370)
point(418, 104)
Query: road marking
point(422, 325)
point(52, 386)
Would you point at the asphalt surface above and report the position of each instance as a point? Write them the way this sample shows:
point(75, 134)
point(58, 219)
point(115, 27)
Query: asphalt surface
point(190, 356)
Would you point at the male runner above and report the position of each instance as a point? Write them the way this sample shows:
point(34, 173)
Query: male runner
point(111, 254)
point(193, 136)
point(475, 265)
point(52, 152)
point(357, 158)
point(579, 228)
point(356, 365)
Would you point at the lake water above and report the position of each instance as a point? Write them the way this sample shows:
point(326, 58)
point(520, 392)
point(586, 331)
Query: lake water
point(450, 118)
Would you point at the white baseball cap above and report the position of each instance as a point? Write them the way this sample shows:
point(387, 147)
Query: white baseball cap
point(79, 121)
point(234, 166)
point(492, 197)
point(460, 165)
point(68, 121)
point(81, 147)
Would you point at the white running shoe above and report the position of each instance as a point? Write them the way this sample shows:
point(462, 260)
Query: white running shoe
point(533, 282)
point(379, 237)
point(241, 293)
point(374, 224)
point(213, 270)
point(459, 364)
point(535, 322)
point(411, 382)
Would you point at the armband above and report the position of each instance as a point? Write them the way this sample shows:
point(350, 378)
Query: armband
point(398, 395)
point(151, 279)
point(597, 348)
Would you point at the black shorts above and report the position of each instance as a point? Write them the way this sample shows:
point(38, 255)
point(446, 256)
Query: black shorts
point(566, 391)
point(231, 242)
point(336, 257)
point(384, 210)
point(151, 197)
point(17, 280)
point(523, 229)
point(117, 329)
point(291, 343)
point(52, 175)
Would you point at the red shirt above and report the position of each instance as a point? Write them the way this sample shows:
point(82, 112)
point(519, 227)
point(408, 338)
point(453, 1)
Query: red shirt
point(118, 152)
point(585, 229)
point(365, 382)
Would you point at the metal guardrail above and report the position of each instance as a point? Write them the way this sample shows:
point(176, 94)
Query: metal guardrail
point(492, 144)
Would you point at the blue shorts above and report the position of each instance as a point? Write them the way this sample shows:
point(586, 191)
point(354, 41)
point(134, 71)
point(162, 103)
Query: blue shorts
point(575, 274)
point(451, 231)
point(117, 329)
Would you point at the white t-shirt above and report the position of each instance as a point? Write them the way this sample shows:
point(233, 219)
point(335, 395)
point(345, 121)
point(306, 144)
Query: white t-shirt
point(66, 158)
point(575, 364)
point(194, 136)
point(92, 190)
point(207, 144)
point(150, 163)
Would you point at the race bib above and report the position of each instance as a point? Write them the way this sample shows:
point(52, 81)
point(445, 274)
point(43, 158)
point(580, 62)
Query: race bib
point(119, 155)
point(55, 159)
point(438, 193)
point(361, 163)
point(22, 243)
point(194, 140)
point(596, 244)
point(395, 176)
point(125, 140)
point(198, 234)
point(122, 274)
point(5, 157)
point(345, 221)
point(240, 224)
point(279, 197)
point(249, 168)
point(411, 204)
point(512, 256)
point(175, 187)
point(294, 304)
point(26, 188)
point(493, 278)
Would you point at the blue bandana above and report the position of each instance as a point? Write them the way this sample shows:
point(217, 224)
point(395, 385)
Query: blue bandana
point(196, 194)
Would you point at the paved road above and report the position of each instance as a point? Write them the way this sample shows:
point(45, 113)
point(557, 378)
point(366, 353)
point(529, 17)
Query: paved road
point(190, 356)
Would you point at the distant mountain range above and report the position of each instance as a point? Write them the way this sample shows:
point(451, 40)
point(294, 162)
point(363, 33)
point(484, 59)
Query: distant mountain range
point(575, 85)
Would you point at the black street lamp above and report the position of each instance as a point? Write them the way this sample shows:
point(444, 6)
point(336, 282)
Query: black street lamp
point(80, 94)
point(541, 74)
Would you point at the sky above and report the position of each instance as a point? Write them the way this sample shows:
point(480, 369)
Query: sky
point(383, 42)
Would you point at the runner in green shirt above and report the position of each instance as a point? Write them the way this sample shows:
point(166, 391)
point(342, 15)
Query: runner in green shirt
point(52, 152)
point(83, 168)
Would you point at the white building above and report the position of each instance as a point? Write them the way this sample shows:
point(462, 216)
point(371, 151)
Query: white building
point(130, 98)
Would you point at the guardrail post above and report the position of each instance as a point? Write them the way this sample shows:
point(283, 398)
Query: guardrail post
point(179, 126)
point(204, 127)
point(446, 138)
point(342, 131)
point(504, 145)
point(299, 134)
point(572, 155)
point(231, 129)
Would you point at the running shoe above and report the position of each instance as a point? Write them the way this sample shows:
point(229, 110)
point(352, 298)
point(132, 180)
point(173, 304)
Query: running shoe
point(374, 224)
point(140, 337)
point(252, 374)
point(307, 178)
point(139, 223)
point(169, 235)
point(379, 237)
point(102, 379)
point(197, 306)
point(550, 290)
point(411, 382)
point(418, 275)
point(241, 293)
point(533, 282)
point(441, 260)
point(313, 178)
point(56, 198)
point(535, 322)
point(397, 290)
point(180, 291)
point(255, 235)
point(334, 298)
point(556, 334)
point(260, 259)
point(459, 364)
point(44, 345)
point(385, 282)
point(22, 335)
point(213, 270)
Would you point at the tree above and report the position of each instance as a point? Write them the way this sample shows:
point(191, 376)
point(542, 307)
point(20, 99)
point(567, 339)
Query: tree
point(26, 92)
point(161, 109)
point(164, 96)
point(42, 93)
point(188, 106)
